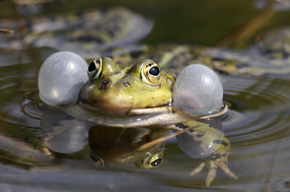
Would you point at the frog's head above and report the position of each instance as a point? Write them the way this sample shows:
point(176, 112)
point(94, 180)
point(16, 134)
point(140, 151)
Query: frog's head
point(142, 85)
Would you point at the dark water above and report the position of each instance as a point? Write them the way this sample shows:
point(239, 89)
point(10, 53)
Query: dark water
point(257, 124)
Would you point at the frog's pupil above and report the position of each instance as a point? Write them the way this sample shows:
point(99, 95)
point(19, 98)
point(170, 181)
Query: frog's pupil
point(156, 163)
point(154, 71)
point(92, 67)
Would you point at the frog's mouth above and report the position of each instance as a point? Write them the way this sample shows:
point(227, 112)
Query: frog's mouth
point(150, 117)
point(147, 117)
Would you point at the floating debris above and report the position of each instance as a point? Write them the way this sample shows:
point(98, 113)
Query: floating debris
point(9, 32)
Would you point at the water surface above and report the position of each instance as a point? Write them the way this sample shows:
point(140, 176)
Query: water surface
point(256, 125)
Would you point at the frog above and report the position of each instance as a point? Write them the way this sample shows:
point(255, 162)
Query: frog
point(140, 96)
point(142, 145)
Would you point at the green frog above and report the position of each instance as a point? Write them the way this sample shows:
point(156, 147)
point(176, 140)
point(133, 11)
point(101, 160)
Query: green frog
point(140, 96)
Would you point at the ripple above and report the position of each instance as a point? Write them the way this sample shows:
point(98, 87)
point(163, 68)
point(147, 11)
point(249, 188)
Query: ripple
point(14, 87)
point(260, 109)
point(255, 125)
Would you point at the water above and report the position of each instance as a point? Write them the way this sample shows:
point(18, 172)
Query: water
point(256, 125)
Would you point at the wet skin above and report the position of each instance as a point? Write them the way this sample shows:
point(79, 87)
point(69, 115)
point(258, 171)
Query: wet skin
point(144, 85)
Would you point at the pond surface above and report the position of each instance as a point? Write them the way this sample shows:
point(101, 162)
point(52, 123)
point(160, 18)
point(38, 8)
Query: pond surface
point(256, 125)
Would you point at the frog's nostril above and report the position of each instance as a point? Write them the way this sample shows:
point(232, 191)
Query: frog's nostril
point(104, 84)
point(126, 83)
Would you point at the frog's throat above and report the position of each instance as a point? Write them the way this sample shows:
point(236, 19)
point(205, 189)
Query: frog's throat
point(149, 117)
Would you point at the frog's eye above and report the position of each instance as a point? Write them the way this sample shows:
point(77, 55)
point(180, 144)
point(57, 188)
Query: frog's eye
point(95, 69)
point(152, 161)
point(151, 73)
point(156, 163)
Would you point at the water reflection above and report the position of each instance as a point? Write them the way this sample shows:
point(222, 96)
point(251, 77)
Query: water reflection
point(114, 146)
point(203, 145)
point(62, 132)
point(257, 127)
point(119, 147)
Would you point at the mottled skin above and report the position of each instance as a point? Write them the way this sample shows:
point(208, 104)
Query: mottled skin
point(144, 85)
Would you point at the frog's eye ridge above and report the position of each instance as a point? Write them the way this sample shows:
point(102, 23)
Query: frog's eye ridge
point(94, 69)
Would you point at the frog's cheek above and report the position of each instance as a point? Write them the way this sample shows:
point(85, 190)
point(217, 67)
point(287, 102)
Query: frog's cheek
point(198, 90)
point(61, 77)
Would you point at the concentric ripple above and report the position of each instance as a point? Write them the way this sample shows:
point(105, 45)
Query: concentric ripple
point(260, 109)
point(257, 125)
point(14, 87)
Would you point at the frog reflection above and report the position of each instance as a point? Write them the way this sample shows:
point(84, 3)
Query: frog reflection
point(62, 132)
point(119, 147)
point(111, 146)
point(206, 142)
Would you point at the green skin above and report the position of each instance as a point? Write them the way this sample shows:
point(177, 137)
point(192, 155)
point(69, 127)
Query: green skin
point(111, 88)
point(122, 89)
